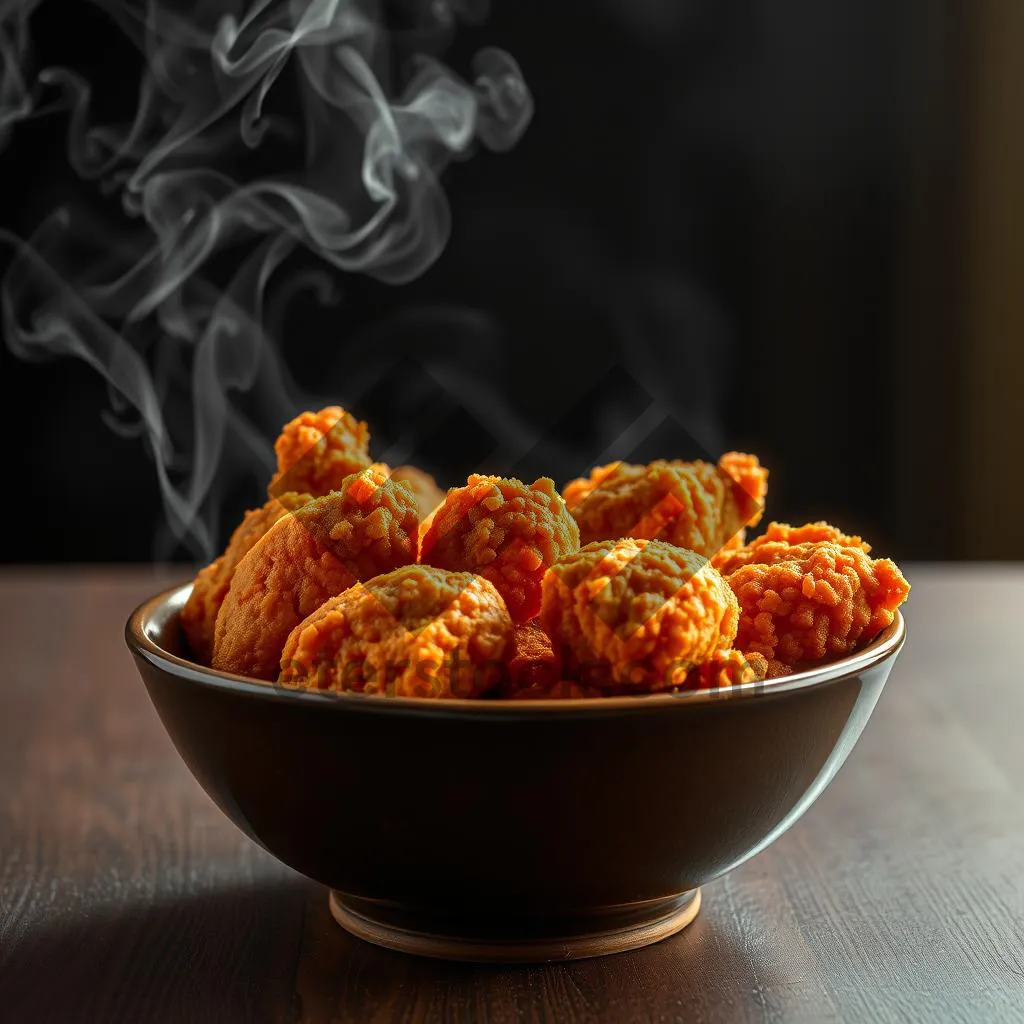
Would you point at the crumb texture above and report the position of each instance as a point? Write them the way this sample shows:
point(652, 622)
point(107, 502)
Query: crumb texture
point(507, 531)
point(365, 528)
point(418, 631)
point(637, 614)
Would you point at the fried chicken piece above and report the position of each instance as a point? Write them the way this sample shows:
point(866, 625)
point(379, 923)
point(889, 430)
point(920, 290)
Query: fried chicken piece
point(199, 616)
point(317, 450)
point(819, 602)
point(424, 488)
point(418, 631)
point(694, 505)
point(355, 533)
point(636, 614)
point(504, 530)
point(778, 540)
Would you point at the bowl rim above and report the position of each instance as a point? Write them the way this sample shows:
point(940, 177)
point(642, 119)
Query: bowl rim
point(141, 643)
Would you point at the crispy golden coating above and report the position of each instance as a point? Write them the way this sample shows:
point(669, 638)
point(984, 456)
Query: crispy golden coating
point(504, 530)
point(533, 664)
point(726, 668)
point(199, 616)
point(461, 577)
point(538, 677)
point(636, 614)
point(819, 603)
point(418, 631)
point(355, 533)
point(812, 533)
point(424, 488)
point(745, 498)
point(317, 450)
point(777, 543)
point(694, 505)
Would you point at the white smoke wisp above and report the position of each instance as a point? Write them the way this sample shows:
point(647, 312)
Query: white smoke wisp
point(346, 166)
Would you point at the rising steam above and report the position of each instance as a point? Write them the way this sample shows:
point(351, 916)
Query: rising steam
point(262, 126)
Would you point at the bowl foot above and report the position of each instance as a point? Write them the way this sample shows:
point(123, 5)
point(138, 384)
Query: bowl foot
point(610, 931)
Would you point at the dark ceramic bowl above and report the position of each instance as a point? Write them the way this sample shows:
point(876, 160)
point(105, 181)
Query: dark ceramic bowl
point(505, 830)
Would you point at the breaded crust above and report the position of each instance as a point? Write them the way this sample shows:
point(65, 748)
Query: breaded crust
point(695, 505)
point(533, 664)
point(424, 488)
point(199, 616)
point(418, 631)
point(727, 668)
point(317, 450)
point(367, 527)
point(637, 613)
point(778, 542)
point(507, 531)
point(821, 602)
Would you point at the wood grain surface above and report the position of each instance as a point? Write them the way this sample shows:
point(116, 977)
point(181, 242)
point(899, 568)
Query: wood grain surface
point(126, 896)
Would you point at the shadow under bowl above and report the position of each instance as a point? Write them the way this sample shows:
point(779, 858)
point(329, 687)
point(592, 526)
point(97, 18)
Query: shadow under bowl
point(509, 830)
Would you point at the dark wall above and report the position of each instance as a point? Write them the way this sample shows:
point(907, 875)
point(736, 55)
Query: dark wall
point(707, 233)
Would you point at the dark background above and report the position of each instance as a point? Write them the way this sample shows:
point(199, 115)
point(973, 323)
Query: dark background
point(761, 217)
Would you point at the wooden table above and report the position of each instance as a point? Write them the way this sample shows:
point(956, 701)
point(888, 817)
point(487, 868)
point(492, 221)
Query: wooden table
point(126, 896)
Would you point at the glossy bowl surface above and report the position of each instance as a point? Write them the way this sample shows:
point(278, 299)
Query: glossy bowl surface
point(509, 830)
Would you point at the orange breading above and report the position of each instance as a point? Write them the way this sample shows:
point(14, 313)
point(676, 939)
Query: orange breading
point(750, 486)
point(778, 541)
point(726, 668)
point(199, 616)
point(504, 530)
point(636, 613)
point(317, 450)
point(532, 662)
point(811, 533)
point(424, 488)
point(694, 505)
point(418, 631)
point(355, 533)
point(821, 602)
